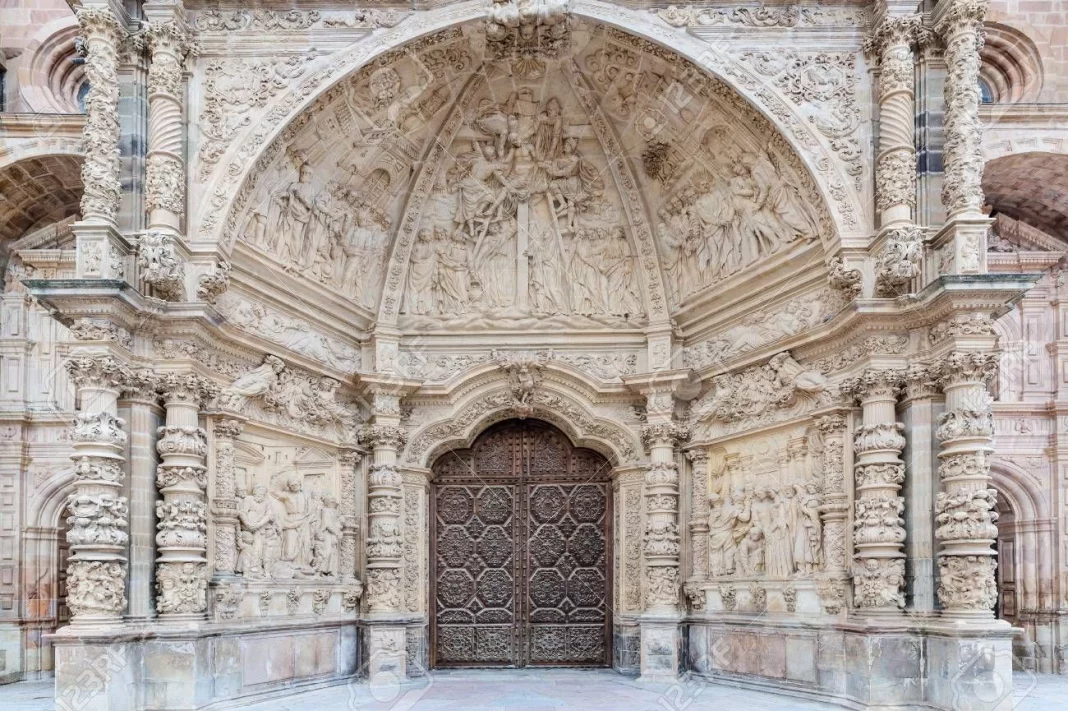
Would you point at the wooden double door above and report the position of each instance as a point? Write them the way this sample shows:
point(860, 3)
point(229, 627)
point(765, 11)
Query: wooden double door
point(520, 552)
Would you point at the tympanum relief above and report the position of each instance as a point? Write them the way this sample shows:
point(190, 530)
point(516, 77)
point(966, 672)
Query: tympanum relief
point(538, 171)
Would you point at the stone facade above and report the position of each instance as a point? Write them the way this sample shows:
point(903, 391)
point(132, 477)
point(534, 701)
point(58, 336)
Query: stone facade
point(303, 253)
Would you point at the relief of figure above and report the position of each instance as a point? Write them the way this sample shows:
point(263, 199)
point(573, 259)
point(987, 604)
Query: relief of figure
point(453, 277)
point(808, 535)
point(751, 553)
point(256, 515)
point(295, 205)
point(294, 514)
point(550, 131)
point(724, 524)
point(779, 553)
point(327, 537)
point(419, 296)
point(622, 291)
point(255, 383)
point(494, 265)
point(572, 182)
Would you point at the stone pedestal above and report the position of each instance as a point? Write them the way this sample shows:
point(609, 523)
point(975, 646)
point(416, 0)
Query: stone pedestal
point(661, 649)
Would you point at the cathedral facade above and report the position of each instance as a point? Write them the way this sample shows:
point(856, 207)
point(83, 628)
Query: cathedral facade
point(721, 341)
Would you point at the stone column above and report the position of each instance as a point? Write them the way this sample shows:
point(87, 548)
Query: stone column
point(834, 505)
point(225, 494)
point(891, 42)
point(961, 244)
point(660, 634)
point(182, 565)
point(920, 486)
point(141, 401)
point(878, 525)
point(698, 513)
point(384, 542)
point(661, 543)
point(966, 508)
point(97, 568)
point(349, 459)
point(161, 255)
point(102, 251)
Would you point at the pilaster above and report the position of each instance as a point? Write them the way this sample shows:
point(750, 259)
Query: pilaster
point(698, 513)
point(919, 414)
point(834, 503)
point(225, 429)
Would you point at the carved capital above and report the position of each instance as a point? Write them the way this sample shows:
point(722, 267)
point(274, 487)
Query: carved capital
point(921, 381)
point(169, 44)
point(874, 383)
point(899, 262)
point(99, 428)
point(385, 436)
point(896, 30)
point(962, 16)
point(844, 279)
point(832, 425)
point(211, 286)
point(101, 371)
point(186, 388)
point(962, 367)
point(882, 436)
point(160, 265)
point(664, 435)
point(228, 428)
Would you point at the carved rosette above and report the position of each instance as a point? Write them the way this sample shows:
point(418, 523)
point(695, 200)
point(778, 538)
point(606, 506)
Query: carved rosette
point(699, 513)
point(661, 539)
point(879, 472)
point(182, 514)
point(834, 506)
point(97, 515)
point(384, 541)
point(225, 495)
point(966, 508)
point(961, 29)
point(100, 170)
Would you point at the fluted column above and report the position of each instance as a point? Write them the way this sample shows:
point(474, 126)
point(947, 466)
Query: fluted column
point(97, 512)
point(661, 541)
point(834, 505)
point(698, 513)
point(349, 460)
point(225, 429)
point(384, 542)
point(962, 244)
point(161, 255)
point(878, 524)
point(102, 253)
point(892, 43)
point(966, 508)
point(182, 565)
point(918, 408)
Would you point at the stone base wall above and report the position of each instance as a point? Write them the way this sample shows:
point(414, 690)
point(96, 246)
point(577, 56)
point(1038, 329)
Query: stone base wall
point(626, 648)
point(887, 666)
point(193, 669)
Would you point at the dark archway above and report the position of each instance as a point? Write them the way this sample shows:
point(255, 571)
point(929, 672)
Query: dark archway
point(520, 550)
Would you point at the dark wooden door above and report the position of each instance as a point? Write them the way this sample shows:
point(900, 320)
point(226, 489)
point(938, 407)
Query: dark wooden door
point(520, 549)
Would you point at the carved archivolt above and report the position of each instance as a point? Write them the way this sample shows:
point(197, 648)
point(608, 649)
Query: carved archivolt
point(458, 428)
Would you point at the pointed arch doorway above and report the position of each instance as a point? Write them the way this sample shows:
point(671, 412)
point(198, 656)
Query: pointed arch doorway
point(520, 549)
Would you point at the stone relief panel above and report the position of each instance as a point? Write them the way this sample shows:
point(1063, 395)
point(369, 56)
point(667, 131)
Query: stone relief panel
point(764, 521)
point(288, 511)
point(550, 188)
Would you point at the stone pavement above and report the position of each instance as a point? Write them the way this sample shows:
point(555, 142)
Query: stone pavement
point(546, 690)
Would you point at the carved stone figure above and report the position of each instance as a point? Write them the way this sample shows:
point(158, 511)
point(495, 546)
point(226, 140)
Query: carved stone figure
point(254, 383)
point(751, 553)
point(295, 519)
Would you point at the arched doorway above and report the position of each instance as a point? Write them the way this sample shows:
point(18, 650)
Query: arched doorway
point(521, 540)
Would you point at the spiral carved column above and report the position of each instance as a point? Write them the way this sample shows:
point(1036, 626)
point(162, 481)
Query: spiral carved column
point(895, 166)
point(966, 508)
point(97, 514)
point(182, 565)
point(878, 524)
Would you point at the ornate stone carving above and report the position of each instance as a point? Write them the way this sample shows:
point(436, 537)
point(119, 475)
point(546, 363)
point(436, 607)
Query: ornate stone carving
point(181, 588)
point(899, 262)
point(526, 31)
point(961, 29)
point(695, 594)
point(262, 20)
point(762, 16)
point(974, 324)
point(88, 329)
point(846, 280)
point(96, 588)
point(160, 265)
point(100, 170)
point(211, 286)
point(967, 583)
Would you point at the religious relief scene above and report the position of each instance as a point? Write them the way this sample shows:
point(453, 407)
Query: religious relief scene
point(493, 354)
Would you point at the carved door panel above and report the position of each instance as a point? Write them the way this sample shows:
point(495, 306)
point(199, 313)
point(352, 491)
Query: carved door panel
point(520, 552)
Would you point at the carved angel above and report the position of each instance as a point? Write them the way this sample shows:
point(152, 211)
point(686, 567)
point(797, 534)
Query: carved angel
point(254, 383)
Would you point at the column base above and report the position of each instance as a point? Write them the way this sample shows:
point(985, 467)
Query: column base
point(661, 651)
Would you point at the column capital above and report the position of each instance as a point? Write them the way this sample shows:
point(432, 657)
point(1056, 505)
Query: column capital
point(961, 367)
point(960, 15)
point(921, 381)
point(831, 425)
point(228, 427)
point(668, 434)
point(895, 30)
point(874, 383)
point(187, 388)
point(385, 436)
point(97, 371)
